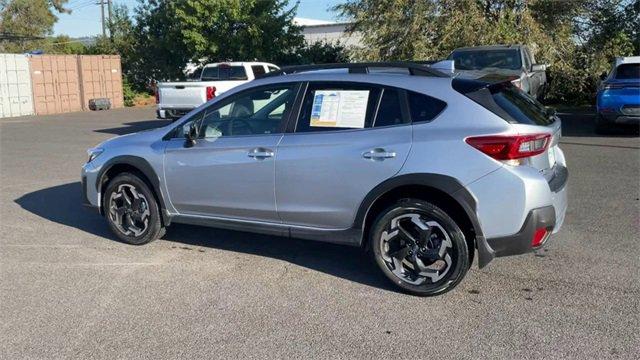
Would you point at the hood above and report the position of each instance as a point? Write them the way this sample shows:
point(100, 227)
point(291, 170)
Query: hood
point(148, 135)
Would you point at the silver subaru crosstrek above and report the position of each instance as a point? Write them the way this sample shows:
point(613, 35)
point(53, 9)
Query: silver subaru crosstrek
point(420, 169)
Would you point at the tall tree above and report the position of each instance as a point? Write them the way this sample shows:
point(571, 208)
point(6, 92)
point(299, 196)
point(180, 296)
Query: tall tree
point(27, 18)
point(578, 38)
point(172, 33)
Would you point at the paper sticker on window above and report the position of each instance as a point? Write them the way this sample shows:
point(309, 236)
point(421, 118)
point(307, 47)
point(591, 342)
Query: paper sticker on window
point(339, 108)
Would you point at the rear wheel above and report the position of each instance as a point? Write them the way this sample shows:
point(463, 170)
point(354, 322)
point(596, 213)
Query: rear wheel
point(131, 210)
point(419, 248)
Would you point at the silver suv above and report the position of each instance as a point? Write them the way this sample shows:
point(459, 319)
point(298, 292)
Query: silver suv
point(421, 170)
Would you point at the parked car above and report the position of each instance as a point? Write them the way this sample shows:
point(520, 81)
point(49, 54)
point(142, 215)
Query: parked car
point(422, 170)
point(515, 61)
point(618, 98)
point(175, 99)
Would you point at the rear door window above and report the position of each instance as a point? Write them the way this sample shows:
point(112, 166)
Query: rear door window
point(224, 72)
point(390, 108)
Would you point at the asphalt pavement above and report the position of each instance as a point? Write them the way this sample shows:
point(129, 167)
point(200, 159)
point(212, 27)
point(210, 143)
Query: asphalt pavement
point(69, 289)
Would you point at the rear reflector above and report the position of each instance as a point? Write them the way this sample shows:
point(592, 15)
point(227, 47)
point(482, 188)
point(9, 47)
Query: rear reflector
point(211, 92)
point(502, 147)
point(539, 237)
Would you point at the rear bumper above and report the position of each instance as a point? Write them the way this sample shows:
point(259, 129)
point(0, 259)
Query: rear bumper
point(520, 242)
point(162, 113)
point(549, 217)
point(617, 118)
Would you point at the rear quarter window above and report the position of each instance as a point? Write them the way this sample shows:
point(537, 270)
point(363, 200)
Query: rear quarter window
point(424, 108)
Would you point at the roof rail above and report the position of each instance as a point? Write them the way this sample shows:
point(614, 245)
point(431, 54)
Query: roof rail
point(361, 68)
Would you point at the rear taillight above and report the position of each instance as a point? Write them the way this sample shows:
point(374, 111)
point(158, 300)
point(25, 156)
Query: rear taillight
point(502, 147)
point(539, 237)
point(211, 92)
point(156, 93)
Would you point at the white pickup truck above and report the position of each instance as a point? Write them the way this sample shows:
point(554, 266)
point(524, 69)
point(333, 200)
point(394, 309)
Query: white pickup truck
point(174, 99)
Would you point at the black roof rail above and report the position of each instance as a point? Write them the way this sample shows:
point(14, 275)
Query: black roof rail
point(361, 68)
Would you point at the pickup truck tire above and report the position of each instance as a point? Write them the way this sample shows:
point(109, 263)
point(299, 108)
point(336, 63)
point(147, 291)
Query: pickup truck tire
point(131, 210)
point(419, 247)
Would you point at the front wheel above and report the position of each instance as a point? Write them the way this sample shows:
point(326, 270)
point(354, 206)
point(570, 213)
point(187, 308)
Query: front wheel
point(131, 210)
point(419, 248)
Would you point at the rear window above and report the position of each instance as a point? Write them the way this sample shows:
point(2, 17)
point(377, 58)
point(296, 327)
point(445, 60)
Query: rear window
point(258, 70)
point(520, 107)
point(483, 59)
point(628, 71)
point(224, 72)
point(505, 100)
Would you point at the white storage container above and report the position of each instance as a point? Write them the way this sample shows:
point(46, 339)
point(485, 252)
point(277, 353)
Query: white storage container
point(16, 97)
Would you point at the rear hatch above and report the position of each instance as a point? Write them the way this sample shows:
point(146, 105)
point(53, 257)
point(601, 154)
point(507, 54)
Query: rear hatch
point(523, 112)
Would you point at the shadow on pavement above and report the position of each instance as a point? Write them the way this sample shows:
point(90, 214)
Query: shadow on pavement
point(582, 124)
point(62, 204)
point(135, 126)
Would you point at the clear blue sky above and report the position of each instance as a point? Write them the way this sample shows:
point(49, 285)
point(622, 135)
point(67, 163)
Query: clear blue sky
point(85, 17)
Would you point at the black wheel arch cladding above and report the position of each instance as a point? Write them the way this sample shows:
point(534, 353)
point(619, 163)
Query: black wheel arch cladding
point(443, 183)
point(141, 165)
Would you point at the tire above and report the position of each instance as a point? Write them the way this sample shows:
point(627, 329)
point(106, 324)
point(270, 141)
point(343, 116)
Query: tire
point(426, 239)
point(131, 210)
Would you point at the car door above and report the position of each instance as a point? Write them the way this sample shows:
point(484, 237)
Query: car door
point(349, 137)
point(229, 171)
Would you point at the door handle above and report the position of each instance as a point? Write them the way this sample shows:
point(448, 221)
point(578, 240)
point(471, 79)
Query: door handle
point(379, 154)
point(260, 153)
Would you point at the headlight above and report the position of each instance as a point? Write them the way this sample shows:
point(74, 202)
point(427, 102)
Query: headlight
point(94, 153)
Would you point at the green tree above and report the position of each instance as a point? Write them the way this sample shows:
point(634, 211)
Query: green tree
point(63, 44)
point(577, 38)
point(319, 52)
point(30, 18)
point(169, 34)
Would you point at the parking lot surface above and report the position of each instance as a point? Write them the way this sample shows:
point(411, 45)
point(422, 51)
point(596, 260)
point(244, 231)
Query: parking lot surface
point(69, 289)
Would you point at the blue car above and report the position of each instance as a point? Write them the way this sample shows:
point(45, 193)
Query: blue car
point(618, 99)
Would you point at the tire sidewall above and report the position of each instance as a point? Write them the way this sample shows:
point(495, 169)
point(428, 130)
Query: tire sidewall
point(154, 227)
point(460, 261)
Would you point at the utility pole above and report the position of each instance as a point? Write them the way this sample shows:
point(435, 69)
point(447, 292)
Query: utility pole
point(104, 31)
point(109, 8)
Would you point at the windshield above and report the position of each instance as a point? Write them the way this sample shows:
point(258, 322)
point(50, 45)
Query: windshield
point(224, 72)
point(481, 59)
point(628, 71)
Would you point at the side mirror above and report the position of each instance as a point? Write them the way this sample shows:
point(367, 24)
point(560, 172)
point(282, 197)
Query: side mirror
point(603, 76)
point(538, 67)
point(191, 136)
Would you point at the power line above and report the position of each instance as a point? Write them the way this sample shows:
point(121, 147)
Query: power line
point(15, 37)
